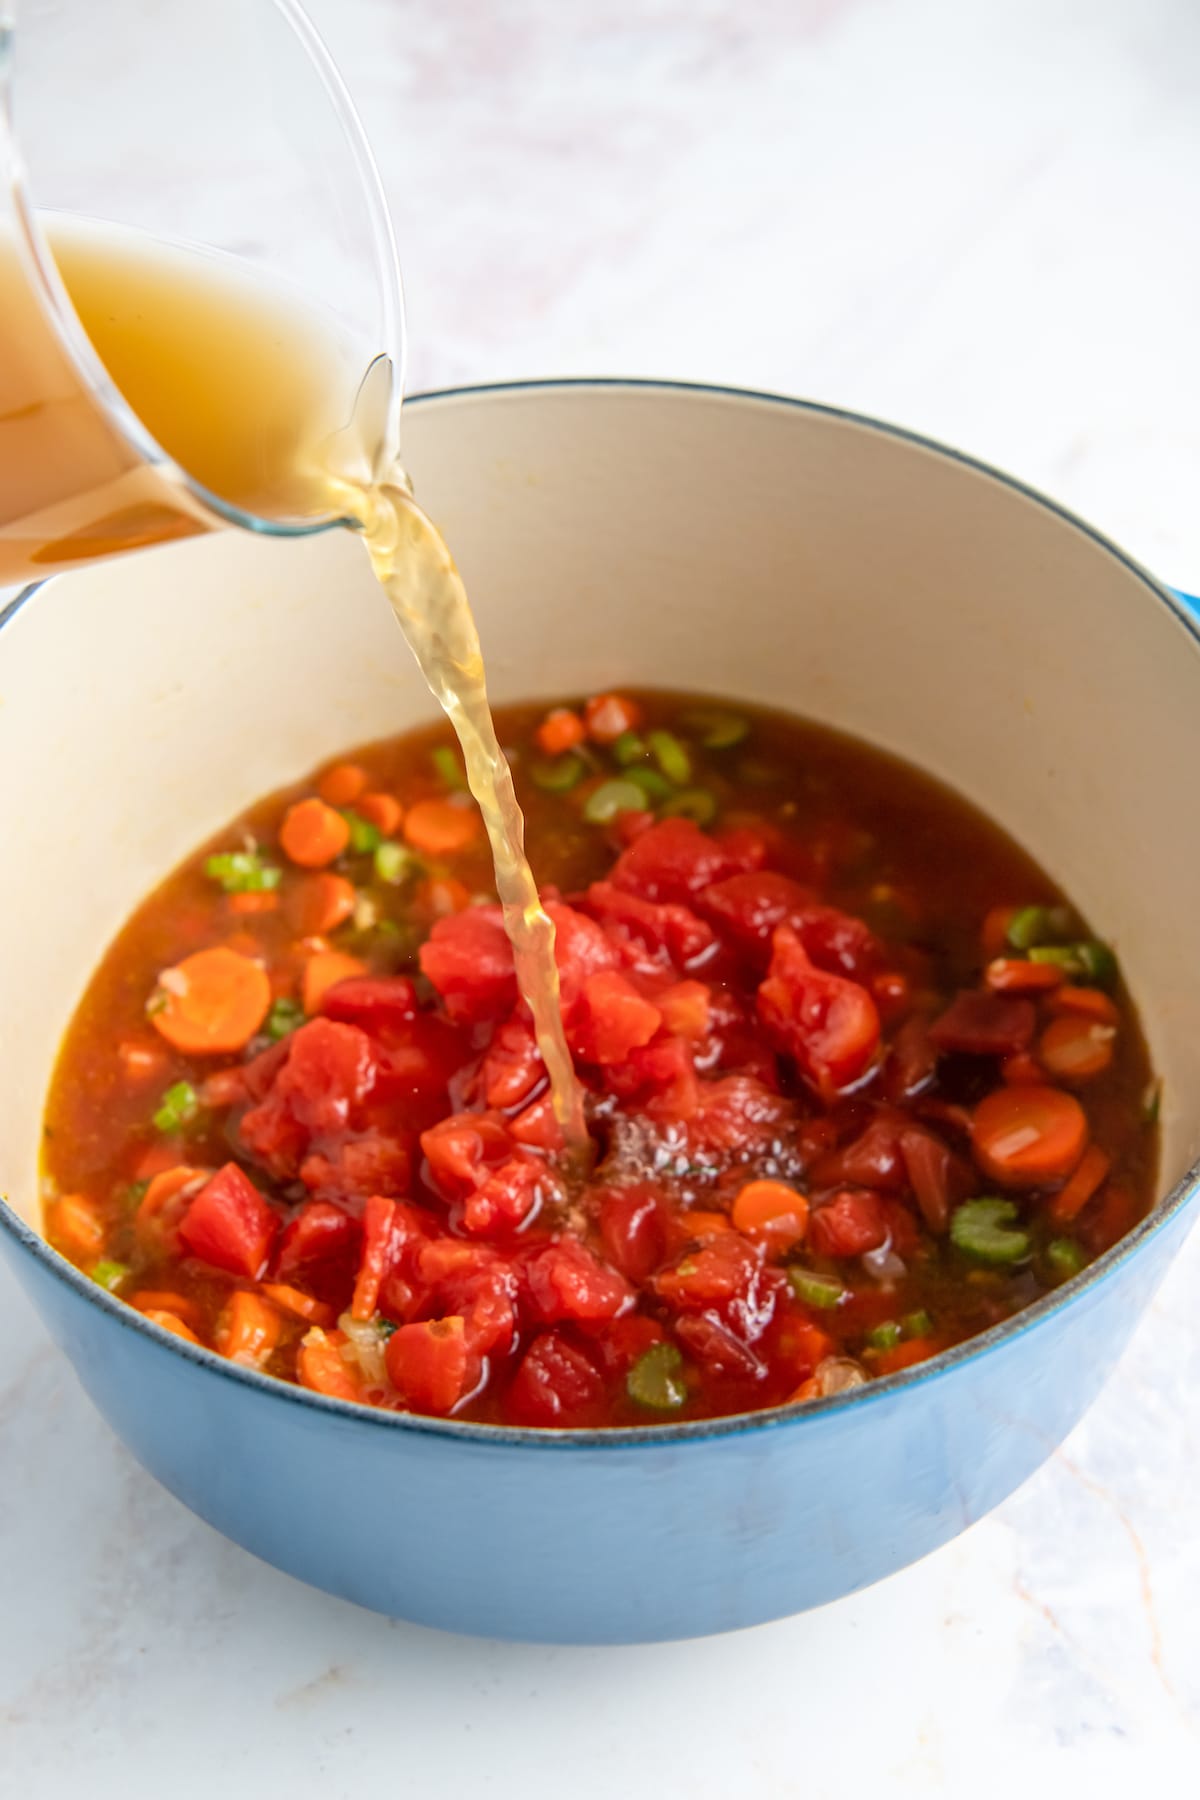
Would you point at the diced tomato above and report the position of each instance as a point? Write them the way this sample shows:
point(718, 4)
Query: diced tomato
point(537, 1127)
point(555, 1385)
point(847, 1224)
point(912, 1061)
point(560, 731)
point(377, 1219)
point(327, 1072)
point(671, 862)
point(469, 960)
point(828, 1024)
point(431, 1364)
point(685, 1009)
point(374, 1002)
point(512, 1065)
point(747, 847)
point(977, 1023)
point(566, 1282)
point(581, 949)
point(633, 1232)
point(736, 1113)
point(610, 1018)
point(625, 1341)
point(724, 1270)
point(508, 1197)
point(874, 1159)
point(356, 1167)
point(717, 1347)
point(472, 1281)
point(230, 1225)
point(665, 930)
point(659, 1079)
point(319, 1249)
point(460, 1150)
point(938, 1178)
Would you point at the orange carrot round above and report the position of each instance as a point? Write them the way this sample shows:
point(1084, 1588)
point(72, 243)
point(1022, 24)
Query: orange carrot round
point(1076, 1048)
point(1013, 975)
point(995, 929)
point(323, 970)
point(1086, 1180)
point(173, 1323)
point(212, 1002)
point(771, 1210)
point(250, 1329)
point(440, 828)
point(319, 903)
point(247, 905)
point(560, 731)
point(161, 1300)
point(313, 834)
point(1085, 1002)
point(321, 1367)
point(383, 811)
point(164, 1187)
point(76, 1227)
point(342, 784)
point(1026, 1136)
point(298, 1304)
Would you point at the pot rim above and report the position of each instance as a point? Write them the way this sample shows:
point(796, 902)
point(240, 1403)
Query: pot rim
point(736, 1424)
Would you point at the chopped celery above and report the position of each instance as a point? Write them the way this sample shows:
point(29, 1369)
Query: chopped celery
point(242, 872)
point(283, 1017)
point(178, 1107)
point(611, 798)
point(693, 803)
point(671, 756)
point(109, 1274)
point(558, 774)
point(986, 1230)
point(655, 1381)
point(824, 1291)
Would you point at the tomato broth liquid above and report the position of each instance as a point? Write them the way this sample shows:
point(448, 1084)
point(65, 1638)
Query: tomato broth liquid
point(248, 394)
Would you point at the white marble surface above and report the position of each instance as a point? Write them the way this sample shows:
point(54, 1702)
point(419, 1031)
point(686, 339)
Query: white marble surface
point(975, 216)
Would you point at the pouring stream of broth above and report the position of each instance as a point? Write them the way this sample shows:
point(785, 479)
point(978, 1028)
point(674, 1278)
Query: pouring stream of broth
point(249, 394)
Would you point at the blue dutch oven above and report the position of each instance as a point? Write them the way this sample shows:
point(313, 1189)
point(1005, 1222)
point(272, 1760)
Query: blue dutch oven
point(672, 536)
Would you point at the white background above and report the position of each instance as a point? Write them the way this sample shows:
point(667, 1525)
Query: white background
point(978, 217)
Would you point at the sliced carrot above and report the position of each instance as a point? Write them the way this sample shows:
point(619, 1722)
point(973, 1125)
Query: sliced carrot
point(704, 1224)
point(441, 828)
point(151, 1160)
point(299, 1305)
point(608, 715)
point(171, 1322)
point(1027, 1136)
point(141, 1061)
point(321, 1366)
point(250, 1329)
point(342, 784)
point(162, 1300)
point(1090, 1003)
point(1013, 975)
point(248, 905)
point(903, 1356)
point(1021, 1069)
point(323, 970)
point(319, 903)
point(212, 1002)
point(76, 1227)
point(383, 811)
point(995, 929)
point(1088, 1178)
point(442, 895)
point(1076, 1048)
point(165, 1187)
point(313, 834)
point(771, 1210)
point(560, 731)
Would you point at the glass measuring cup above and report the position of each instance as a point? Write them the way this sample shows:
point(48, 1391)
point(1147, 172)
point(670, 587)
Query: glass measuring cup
point(214, 145)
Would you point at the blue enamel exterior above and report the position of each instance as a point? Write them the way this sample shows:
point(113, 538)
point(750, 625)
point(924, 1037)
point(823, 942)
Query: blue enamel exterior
point(604, 1538)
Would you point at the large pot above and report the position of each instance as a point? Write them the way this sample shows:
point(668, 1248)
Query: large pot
point(613, 532)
